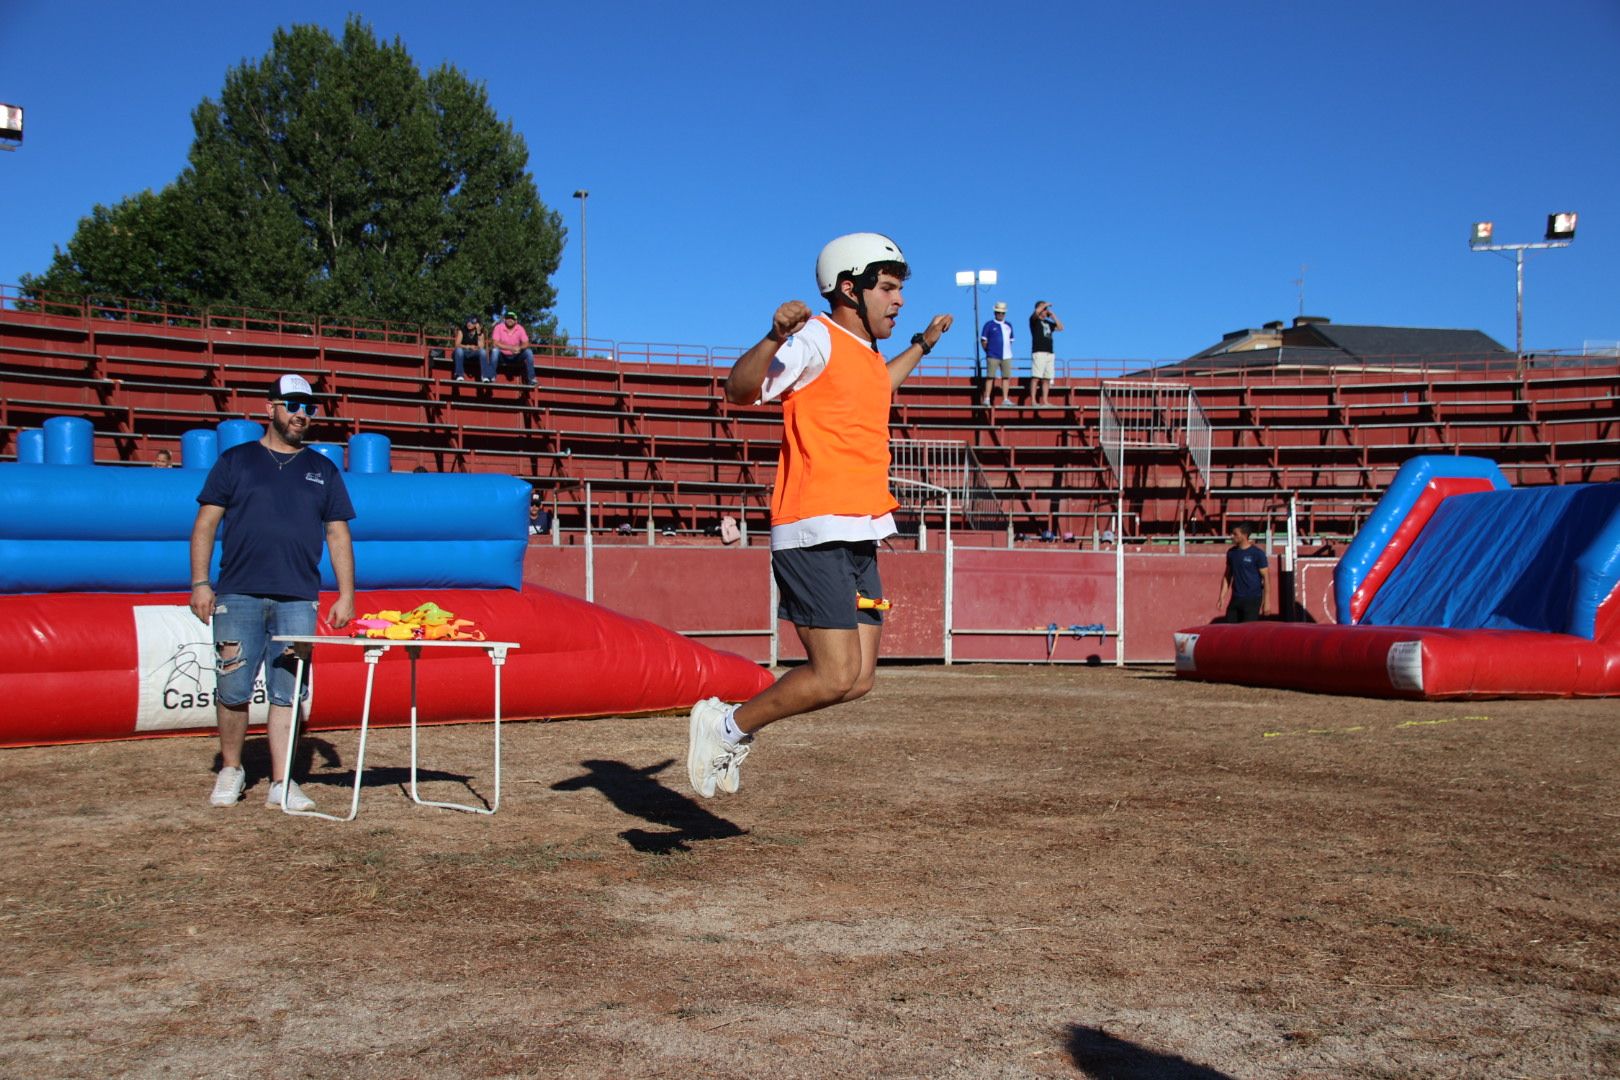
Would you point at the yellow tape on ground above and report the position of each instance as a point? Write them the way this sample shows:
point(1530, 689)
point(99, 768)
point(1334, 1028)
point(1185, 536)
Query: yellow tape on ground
point(1363, 727)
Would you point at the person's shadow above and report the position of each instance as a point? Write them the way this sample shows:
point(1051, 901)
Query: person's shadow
point(636, 792)
point(1102, 1056)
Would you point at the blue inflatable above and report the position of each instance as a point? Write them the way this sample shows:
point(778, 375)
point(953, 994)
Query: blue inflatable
point(1520, 559)
point(97, 528)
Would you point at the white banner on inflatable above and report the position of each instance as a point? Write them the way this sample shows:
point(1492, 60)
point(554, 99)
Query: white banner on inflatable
point(175, 655)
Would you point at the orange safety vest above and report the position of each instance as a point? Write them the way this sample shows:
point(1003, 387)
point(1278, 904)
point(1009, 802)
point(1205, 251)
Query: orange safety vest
point(834, 457)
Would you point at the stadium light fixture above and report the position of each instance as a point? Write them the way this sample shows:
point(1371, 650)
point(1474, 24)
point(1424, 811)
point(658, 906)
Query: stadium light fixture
point(1560, 233)
point(976, 280)
point(11, 126)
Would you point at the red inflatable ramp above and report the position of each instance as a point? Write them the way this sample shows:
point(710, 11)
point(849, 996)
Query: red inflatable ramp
point(77, 667)
point(1400, 661)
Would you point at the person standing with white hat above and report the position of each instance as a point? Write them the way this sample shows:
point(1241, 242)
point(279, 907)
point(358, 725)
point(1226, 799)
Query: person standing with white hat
point(997, 339)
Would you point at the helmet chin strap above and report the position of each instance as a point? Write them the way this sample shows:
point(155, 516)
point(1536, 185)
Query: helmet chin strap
point(860, 310)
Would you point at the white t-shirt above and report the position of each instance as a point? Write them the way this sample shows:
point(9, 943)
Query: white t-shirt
point(798, 363)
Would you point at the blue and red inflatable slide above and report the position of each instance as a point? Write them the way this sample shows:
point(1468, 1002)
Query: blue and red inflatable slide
point(1459, 586)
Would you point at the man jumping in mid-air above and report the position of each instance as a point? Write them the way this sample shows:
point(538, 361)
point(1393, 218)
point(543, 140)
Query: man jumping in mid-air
point(831, 503)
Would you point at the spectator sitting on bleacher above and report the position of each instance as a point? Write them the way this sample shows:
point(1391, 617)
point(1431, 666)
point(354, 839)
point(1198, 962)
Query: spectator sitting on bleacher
point(163, 460)
point(472, 344)
point(511, 341)
point(539, 518)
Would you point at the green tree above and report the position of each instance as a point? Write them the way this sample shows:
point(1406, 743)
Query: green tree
point(333, 177)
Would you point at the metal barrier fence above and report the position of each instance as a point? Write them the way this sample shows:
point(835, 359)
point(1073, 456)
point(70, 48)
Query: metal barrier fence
point(1198, 436)
point(1155, 416)
point(947, 464)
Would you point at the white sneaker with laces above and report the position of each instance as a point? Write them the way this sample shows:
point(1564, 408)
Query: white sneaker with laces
point(707, 755)
point(296, 799)
point(731, 771)
point(228, 786)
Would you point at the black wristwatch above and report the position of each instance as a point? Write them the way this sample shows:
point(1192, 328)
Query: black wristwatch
point(918, 339)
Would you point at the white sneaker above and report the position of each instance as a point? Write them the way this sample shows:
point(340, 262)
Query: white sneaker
point(228, 786)
point(710, 762)
point(731, 777)
point(296, 799)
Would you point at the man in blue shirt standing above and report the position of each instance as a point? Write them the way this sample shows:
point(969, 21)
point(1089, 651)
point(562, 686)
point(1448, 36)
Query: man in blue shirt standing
point(997, 338)
point(277, 501)
point(1246, 577)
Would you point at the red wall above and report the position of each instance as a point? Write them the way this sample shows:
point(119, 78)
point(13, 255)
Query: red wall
point(714, 588)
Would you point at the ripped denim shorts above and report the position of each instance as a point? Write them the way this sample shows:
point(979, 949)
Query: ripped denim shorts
point(243, 626)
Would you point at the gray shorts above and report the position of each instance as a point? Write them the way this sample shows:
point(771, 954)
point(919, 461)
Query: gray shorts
point(818, 585)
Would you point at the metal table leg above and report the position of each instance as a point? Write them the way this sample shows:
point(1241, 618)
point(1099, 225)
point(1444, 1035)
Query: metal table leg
point(372, 655)
point(497, 659)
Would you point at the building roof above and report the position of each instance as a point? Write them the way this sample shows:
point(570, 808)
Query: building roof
point(1366, 342)
point(1249, 359)
point(1318, 342)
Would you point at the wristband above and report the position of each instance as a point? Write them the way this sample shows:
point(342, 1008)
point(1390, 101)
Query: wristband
point(774, 336)
point(194, 584)
point(922, 342)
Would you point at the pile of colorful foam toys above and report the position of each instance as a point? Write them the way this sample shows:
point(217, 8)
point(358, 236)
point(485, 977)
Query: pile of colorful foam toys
point(430, 622)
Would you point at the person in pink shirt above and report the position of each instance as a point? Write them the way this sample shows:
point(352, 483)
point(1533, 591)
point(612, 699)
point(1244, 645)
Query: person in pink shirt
point(512, 342)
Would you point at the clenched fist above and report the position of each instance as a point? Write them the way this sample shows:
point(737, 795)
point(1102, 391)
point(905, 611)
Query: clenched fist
point(789, 319)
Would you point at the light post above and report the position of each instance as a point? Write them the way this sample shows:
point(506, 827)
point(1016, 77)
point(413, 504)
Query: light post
point(1560, 233)
point(975, 281)
point(584, 326)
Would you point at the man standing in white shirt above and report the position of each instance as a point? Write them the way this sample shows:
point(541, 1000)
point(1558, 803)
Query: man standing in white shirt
point(997, 339)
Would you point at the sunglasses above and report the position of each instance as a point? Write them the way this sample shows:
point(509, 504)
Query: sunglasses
point(308, 408)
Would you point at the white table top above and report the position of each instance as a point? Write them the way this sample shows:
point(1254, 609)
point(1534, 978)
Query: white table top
point(333, 639)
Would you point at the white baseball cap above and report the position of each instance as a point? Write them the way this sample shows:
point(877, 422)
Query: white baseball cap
point(292, 386)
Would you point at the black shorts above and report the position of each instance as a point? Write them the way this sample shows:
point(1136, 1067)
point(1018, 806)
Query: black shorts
point(1244, 609)
point(818, 585)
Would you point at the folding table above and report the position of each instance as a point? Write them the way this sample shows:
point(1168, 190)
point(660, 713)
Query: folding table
point(374, 650)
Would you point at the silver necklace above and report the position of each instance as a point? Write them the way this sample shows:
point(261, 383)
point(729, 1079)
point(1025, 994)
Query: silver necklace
point(277, 457)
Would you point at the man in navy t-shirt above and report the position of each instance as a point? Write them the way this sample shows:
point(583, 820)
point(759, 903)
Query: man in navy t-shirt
point(1246, 574)
point(278, 501)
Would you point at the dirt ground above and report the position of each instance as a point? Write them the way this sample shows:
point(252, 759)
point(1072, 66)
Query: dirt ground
point(977, 872)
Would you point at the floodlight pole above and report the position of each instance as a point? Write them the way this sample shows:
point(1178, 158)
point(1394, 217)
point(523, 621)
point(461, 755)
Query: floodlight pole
point(976, 280)
point(584, 326)
point(1518, 283)
point(976, 331)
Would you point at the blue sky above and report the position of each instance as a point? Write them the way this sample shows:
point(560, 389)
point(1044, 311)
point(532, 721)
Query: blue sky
point(1159, 171)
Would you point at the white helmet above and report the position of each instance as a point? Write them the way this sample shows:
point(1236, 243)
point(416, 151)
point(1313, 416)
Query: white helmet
point(851, 255)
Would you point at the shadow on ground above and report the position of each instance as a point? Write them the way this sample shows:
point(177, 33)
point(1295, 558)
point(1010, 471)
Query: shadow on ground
point(256, 763)
point(1102, 1056)
point(637, 792)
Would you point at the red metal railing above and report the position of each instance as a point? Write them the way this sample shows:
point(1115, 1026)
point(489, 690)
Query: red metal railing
point(93, 311)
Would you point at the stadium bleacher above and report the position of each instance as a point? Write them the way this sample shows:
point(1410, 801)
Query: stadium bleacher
point(649, 429)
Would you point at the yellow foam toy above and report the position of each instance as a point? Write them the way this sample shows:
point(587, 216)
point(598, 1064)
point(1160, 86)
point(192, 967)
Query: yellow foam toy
point(427, 622)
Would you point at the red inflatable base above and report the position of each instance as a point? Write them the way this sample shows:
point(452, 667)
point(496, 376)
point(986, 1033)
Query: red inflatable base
point(82, 667)
point(1400, 661)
